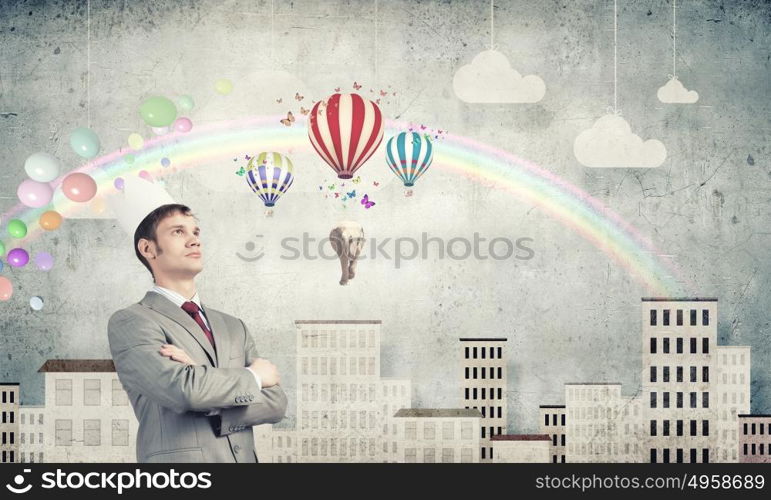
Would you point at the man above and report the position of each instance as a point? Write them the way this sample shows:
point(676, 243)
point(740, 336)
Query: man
point(191, 372)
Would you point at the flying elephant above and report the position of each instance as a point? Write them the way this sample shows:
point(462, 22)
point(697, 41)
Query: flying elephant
point(347, 239)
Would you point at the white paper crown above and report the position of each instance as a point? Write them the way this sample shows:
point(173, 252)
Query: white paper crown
point(138, 198)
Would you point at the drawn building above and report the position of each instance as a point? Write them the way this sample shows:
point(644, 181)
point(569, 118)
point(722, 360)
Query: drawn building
point(754, 438)
point(553, 424)
point(88, 416)
point(32, 433)
point(522, 448)
point(483, 386)
point(9, 422)
point(438, 435)
point(682, 388)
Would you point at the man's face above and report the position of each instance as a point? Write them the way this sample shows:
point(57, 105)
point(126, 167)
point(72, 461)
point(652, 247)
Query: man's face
point(178, 250)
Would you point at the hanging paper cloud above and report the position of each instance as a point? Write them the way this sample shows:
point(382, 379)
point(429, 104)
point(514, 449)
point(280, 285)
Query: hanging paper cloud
point(673, 92)
point(610, 143)
point(491, 79)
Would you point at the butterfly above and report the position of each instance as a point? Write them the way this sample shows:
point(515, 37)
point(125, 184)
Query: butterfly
point(240, 171)
point(337, 195)
point(367, 204)
point(247, 157)
point(337, 89)
point(376, 183)
point(321, 188)
point(289, 119)
point(342, 184)
point(440, 131)
point(408, 193)
point(422, 127)
point(393, 93)
point(304, 111)
point(377, 101)
point(280, 100)
point(356, 86)
point(357, 180)
point(383, 93)
point(298, 97)
point(332, 187)
point(352, 194)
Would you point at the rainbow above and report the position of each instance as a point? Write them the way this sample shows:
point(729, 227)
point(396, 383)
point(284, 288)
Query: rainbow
point(566, 203)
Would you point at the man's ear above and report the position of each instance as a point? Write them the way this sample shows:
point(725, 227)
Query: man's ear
point(146, 249)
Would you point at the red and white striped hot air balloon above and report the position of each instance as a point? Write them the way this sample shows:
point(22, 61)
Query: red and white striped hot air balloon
point(345, 131)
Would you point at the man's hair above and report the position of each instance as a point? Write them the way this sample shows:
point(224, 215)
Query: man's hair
point(148, 228)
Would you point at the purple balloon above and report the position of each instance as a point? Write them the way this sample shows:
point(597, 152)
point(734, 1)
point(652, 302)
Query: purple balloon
point(18, 257)
point(118, 183)
point(34, 194)
point(44, 261)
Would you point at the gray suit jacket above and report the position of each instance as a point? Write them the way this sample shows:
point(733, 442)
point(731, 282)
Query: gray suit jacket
point(171, 400)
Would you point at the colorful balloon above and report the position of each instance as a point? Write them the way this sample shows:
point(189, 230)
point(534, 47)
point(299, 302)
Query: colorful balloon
point(85, 142)
point(36, 303)
point(42, 167)
point(17, 257)
point(79, 187)
point(185, 103)
point(50, 220)
point(6, 288)
point(165, 162)
point(17, 229)
point(34, 194)
point(223, 86)
point(158, 111)
point(144, 174)
point(269, 175)
point(129, 159)
point(119, 183)
point(345, 130)
point(136, 141)
point(183, 125)
point(409, 155)
point(44, 261)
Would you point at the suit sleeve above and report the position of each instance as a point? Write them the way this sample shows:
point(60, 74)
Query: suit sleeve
point(135, 342)
point(268, 407)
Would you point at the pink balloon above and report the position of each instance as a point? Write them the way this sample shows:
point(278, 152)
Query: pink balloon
point(183, 124)
point(6, 288)
point(79, 187)
point(144, 174)
point(34, 194)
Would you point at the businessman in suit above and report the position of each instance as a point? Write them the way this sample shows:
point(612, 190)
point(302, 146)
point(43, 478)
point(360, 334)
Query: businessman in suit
point(191, 372)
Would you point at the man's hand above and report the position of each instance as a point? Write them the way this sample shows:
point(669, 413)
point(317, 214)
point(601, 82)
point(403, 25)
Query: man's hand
point(175, 353)
point(267, 372)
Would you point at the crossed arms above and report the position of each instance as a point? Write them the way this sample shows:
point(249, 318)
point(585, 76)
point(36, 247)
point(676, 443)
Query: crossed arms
point(135, 343)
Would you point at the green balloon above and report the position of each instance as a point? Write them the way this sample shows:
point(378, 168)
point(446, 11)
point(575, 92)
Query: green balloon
point(85, 142)
point(158, 111)
point(129, 159)
point(185, 103)
point(17, 229)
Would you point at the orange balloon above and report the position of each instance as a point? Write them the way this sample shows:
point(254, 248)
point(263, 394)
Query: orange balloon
point(50, 220)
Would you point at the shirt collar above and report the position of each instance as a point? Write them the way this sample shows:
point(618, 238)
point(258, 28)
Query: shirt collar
point(175, 297)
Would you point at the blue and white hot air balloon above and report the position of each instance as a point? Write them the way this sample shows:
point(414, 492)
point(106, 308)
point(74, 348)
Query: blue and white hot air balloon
point(269, 175)
point(409, 155)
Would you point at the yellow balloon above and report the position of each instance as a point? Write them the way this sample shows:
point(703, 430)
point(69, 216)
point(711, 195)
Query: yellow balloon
point(223, 86)
point(136, 141)
point(97, 206)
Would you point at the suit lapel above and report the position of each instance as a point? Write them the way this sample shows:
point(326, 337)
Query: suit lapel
point(164, 306)
point(220, 333)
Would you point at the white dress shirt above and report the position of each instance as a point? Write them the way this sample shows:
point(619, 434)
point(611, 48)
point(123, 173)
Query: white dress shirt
point(178, 300)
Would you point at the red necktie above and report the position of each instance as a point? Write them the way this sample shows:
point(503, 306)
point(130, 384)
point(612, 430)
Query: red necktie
point(192, 309)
